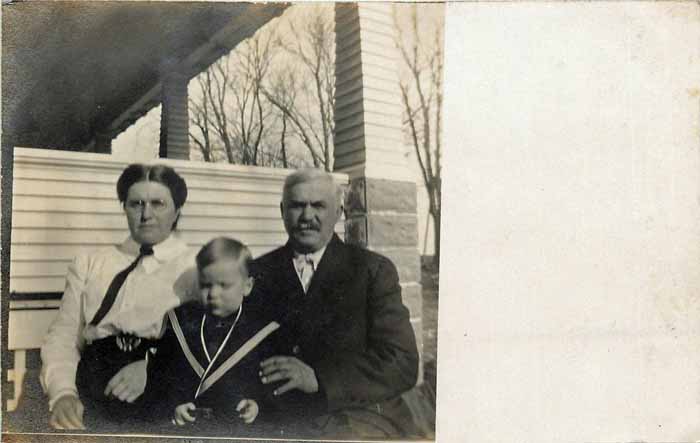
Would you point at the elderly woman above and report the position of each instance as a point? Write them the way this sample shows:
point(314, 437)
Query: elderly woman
point(94, 355)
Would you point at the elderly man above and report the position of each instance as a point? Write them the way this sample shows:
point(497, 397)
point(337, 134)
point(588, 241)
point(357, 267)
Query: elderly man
point(349, 349)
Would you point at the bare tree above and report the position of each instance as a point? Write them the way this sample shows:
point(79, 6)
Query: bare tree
point(270, 101)
point(421, 93)
point(200, 119)
point(306, 95)
point(230, 110)
point(283, 95)
point(213, 117)
point(283, 141)
point(253, 64)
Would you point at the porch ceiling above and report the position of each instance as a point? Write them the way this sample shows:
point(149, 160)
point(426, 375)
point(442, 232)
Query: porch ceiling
point(72, 70)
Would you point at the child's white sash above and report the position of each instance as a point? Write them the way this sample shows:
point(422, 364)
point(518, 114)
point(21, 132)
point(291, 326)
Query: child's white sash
point(207, 381)
point(183, 344)
point(236, 357)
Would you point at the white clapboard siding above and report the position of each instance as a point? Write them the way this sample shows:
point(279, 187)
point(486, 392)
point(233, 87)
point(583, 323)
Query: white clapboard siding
point(111, 237)
point(77, 205)
point(188, 222)
point(56, 191)
point(65, 203)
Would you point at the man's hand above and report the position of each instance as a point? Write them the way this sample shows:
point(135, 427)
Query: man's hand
point(129, 383)
point(300, 375)
point(67, 413)
point(182, 414)
point(248, 410)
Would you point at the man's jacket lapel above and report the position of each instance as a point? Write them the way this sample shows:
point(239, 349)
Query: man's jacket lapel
point(287, 275)
point(328, 280)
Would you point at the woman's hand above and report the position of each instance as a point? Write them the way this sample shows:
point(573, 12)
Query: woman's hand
point(248, 410)
point(182, 414)
point(129, 383)
point(67, 413)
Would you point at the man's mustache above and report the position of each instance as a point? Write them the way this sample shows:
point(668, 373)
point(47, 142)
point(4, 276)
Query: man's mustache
point(307, 226)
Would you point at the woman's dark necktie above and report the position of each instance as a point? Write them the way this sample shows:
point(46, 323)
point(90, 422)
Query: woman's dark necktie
point(116, 285)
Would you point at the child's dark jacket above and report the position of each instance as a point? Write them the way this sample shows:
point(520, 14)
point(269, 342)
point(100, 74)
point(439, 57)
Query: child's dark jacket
point(173, 379)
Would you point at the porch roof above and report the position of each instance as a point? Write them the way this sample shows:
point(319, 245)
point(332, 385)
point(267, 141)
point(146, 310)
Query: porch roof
point(74, 70)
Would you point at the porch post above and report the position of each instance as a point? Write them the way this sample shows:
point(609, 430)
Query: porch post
point(174, 120)
point(103, 143)
point(369, 145)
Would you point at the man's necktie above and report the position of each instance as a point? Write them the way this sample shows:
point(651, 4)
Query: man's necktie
point(306, 271)
point(116, 285)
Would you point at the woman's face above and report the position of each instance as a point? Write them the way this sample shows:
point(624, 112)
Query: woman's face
point(150, 211)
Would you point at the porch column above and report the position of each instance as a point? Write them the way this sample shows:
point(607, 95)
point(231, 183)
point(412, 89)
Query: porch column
point(103, 143)
point(174, 119)
point(369, 145)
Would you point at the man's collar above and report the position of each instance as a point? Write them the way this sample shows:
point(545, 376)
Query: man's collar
point(314, 256)
point(166, 250)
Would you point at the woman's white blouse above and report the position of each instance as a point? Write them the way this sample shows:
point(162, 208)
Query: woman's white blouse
point(159, 283)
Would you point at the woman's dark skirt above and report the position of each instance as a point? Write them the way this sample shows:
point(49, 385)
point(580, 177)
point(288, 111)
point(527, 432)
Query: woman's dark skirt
point(99, 362)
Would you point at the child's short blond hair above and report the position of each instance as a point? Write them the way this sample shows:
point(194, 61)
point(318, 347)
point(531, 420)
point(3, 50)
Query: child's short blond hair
point(225, 247)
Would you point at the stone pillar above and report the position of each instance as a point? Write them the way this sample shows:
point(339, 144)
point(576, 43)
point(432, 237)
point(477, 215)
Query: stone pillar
point(174, 119)
point(369, 145)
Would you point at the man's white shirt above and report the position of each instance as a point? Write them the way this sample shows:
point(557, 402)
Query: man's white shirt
point(306, 265)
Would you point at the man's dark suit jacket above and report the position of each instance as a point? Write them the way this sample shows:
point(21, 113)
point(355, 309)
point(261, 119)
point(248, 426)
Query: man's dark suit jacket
point(353, 330)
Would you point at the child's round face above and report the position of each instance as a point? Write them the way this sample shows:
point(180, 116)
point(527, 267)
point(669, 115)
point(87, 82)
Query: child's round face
point(223, 287)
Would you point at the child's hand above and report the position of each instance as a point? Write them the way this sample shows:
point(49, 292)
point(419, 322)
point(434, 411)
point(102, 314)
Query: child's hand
point(248, 410)
point(182, 414)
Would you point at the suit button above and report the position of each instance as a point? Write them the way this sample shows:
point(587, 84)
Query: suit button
point(296, 349)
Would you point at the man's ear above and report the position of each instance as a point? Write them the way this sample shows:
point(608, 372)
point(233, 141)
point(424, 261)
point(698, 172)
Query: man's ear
point(340, 195)
point(339, 212)
point(248, 286)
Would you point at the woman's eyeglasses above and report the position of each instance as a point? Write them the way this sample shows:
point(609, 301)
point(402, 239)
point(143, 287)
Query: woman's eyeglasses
point(157, 205)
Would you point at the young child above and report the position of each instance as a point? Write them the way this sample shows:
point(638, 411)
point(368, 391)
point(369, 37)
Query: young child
point(206, 366)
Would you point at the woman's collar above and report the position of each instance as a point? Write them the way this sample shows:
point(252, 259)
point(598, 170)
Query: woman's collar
point(166, 250)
